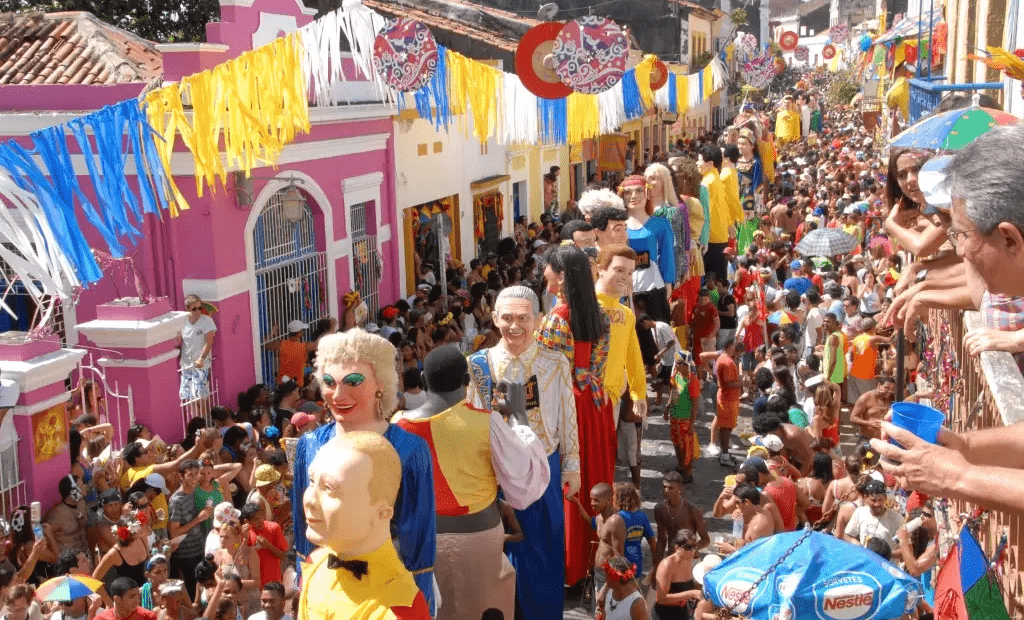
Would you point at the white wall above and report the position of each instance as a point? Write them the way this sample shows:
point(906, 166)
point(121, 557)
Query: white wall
point(453, 161)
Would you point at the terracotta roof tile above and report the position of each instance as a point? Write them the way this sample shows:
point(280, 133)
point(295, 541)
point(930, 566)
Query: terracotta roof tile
point(72, 48)
point(473, 21)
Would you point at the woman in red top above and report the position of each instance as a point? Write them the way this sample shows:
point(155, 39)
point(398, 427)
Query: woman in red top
point(750, 331)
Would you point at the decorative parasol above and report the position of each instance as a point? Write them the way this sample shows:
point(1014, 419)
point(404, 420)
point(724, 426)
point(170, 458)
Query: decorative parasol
point(535, 64)
point(828, 52)
point(405, 54)
point(789, 40)
point(659, 74)
point(68, 588)
point(590, 54)
point(882, 242)
point(953, 130)
point(826, 242)
point(780, 318)
point(807, 574)
point(209, 309)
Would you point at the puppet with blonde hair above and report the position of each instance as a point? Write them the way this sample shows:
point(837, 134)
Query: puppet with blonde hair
point(687, 180)
point(663, 202)
point(350, 502)
point(359, 382)
point(652, 240)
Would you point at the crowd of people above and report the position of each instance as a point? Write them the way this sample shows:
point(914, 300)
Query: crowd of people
point(536, 375)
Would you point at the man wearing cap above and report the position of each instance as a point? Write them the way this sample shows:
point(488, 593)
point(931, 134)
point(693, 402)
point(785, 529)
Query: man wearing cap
point(305, 419)
point(102, 519)
point(797, 280)
point(292, 352)
point(159, 503)
point(874, 519)
point(266, 492)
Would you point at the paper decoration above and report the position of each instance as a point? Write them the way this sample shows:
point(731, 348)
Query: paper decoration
point(535, 63)
point(759, 72)
point(256, 101)
point(322, 41)
point(828, 52)
point(405, 54)
point(474, 89)
point(865, 43)
point(749, 44)
point(801, 53)
point(659, 74)
point(590, 54)
point(432, 101)
point(788, 41)
point(839, 33)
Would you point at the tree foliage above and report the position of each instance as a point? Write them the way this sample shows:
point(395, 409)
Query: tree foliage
point(163, 21)
point(843, 88)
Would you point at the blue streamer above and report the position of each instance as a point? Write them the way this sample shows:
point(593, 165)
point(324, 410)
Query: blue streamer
point(118, 211)
point(631, 95)
point(554, 120)
point(59, 213)
point(700, 86)
point(432, 101)
point(673, 97)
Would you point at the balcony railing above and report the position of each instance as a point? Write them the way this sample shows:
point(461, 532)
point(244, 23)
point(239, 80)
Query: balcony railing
point(926, 93)
point(977, 393)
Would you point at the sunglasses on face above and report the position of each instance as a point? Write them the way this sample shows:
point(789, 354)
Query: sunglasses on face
point(195, 309)
point(688, 546)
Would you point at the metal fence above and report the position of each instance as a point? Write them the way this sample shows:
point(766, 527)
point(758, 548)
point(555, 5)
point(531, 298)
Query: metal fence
point(366, 262)
point(291, 278)
point(12, 488)
point(978, 393)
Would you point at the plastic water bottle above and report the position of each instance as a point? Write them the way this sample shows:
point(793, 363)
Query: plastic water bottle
point(36, 516)
point(737, 527)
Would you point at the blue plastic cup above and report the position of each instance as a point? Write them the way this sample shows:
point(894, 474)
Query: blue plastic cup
point(920, 420)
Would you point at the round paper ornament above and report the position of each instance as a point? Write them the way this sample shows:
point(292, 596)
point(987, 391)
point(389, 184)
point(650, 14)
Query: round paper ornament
point(749, 44)
point(405, 54)
point(865, 43)
point(801, 53)
point(780, 66)
point(910, 52)
point(839, 32)
point(659, 74)
point(590, 54)
point(535, 64)
point(788, 41)
point(759, 72)
point(828, 52)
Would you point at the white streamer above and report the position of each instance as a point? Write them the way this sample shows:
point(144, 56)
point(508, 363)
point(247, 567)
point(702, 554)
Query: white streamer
point(519, 117)
point(612, 106)
point(324, 59)
point(36, 257)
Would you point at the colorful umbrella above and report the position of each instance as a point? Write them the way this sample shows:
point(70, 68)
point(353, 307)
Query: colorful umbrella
point(967, 588)
point(826, 242)
point(817, 577)
point(953, 130)
point(68, 588)
point(780, 318)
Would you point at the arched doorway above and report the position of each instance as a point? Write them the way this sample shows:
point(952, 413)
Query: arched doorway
point(291, 275)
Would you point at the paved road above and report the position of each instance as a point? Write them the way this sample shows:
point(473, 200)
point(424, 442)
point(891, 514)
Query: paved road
point(708, 478)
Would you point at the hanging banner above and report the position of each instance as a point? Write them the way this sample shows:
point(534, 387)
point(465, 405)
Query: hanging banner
point(612, 153)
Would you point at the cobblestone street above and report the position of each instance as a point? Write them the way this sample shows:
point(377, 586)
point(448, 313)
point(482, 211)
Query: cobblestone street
point(708, 477)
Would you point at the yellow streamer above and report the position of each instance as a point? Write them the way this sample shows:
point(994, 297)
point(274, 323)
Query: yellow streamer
point(643, 79)
point(474, 85)
point(583, 117)
point(709, 82)
point(257, 101)
point(682, 93)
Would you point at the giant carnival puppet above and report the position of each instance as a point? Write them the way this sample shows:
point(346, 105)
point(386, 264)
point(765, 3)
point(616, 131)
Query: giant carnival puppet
point(356, 573)
point(652, 240)
point(359, 382)
point(475, 451)
point(691, 220)
point(518, 358)
point(577, 328)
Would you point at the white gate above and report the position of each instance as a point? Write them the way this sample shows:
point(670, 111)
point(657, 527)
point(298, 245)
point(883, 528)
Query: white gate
point(291, 278)
point(108, 404)
point(366, 261)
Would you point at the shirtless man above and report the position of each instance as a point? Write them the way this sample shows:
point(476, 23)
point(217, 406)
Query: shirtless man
point(674, 514)
point(753, 471)
point(610, 527)
point(757, 522)
point(786, 218)
point(871, 407)
point(68, 517)
point(796, 441)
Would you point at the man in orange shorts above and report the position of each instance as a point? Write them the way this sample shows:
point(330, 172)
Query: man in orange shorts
point(730, 386)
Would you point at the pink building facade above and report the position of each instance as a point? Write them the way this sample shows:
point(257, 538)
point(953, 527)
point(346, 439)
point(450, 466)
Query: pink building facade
point(285, 244)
